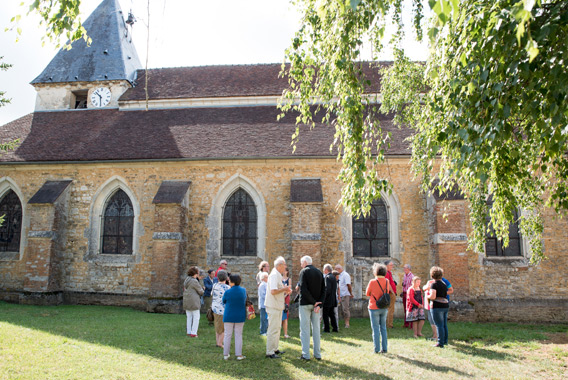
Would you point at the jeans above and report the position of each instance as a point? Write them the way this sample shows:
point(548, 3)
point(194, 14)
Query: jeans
point(309, 317)
point(441, 321)
point(379, 326)
point(263, 321)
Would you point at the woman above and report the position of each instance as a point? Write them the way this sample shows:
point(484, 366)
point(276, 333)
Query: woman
point(390, 266)
point(192, 291)
point(439, 305)
point(375, 290)
point(262, 267)
point(414, 307)
point(286, 281)
point(427, 310)
point(218, 307)
point(234, 317)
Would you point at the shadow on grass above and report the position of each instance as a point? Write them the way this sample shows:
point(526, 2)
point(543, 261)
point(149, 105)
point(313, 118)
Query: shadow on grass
point(339, 339)
point(430, 366)
point(162, 336)
point(483, 352)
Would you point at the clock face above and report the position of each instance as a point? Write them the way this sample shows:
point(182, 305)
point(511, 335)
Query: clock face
point(100, 97)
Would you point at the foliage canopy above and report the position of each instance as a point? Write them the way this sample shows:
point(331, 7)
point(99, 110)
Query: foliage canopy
point(60, 18)
point(489, 107)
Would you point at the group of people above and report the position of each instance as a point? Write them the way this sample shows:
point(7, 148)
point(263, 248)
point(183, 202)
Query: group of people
point(431, 301)
point(315, 291)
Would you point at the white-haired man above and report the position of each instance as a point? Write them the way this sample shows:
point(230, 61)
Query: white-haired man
point(312, 294)
point(222, 266)
point(344, 293)
point(274, 303)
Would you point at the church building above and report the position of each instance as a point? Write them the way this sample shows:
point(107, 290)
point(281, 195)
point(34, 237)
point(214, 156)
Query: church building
point(115, 190)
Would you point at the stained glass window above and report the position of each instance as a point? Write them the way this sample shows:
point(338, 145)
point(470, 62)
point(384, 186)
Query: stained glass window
point(118, 225)
point(371, 232)
point(239, 225)
point(11, 229)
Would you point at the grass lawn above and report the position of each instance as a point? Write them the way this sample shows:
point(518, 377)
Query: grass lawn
point(92, 342)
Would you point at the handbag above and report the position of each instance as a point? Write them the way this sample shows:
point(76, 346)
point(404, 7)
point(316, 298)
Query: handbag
point(210, 316)
point(384, 301)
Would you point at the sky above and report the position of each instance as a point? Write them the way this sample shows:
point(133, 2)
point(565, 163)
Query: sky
point(182, 33)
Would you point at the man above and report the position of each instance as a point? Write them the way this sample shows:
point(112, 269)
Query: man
point(274, 303)
point(390, 266)
point(222, 266)
point(312, 293)
point(406, 284)
point(330, 300)
point(344, 293)
point(261, 303)
point(208, 284)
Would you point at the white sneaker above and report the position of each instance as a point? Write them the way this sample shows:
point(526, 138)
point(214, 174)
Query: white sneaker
point(241, 357)
point(226, 357)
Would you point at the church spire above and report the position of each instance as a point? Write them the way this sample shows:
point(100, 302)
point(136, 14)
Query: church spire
point(111, 55)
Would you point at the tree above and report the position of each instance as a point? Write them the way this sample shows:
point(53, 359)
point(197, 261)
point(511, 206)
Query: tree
point(3, 67)
point(489, 107)
point(60, 19)
point(4, 147)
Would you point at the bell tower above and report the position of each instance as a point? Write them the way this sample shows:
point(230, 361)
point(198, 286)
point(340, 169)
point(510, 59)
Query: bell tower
point(95, 75)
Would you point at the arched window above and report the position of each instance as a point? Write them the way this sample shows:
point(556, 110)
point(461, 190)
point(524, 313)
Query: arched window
point(239, 225)
point(118, 225)
point(371, 232)
point(494, 246)
point(11, 228)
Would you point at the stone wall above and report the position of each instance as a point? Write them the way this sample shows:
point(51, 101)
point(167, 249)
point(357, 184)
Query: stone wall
point(85, 276)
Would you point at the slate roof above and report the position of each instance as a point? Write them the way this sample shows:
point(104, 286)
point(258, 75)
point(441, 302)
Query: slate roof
point(111, 55)
point(194, 133)
point(171, 192)
point(49, 192)
point(222, 81)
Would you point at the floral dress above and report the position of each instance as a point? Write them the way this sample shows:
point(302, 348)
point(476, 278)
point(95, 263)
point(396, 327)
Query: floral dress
point(413, 312)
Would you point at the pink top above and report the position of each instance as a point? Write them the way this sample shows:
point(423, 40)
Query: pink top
point(427, 294)
point(407, 281)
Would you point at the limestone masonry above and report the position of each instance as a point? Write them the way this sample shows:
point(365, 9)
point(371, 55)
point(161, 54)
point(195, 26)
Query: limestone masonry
point(111, 204)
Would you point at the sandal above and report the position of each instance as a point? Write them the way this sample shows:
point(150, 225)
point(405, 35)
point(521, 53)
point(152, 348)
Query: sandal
point(286, 336)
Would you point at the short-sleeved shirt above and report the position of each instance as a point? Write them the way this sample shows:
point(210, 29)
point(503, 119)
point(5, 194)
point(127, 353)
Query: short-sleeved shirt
point(274, 301)
point(441, 292)
point(344, 280)
point(217, 301)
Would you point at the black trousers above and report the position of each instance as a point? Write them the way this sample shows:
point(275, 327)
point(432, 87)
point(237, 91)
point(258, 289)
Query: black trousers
point(327, 315)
